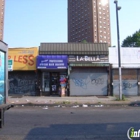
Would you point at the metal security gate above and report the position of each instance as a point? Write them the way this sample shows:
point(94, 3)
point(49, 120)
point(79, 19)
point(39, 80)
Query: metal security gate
point(129, 82)
point(88, 81)
point(129, 87)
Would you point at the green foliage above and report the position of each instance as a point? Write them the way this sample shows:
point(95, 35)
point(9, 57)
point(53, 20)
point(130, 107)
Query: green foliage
point(84, 41)
point(123, 98)
point(66, 102)
point(132, 41)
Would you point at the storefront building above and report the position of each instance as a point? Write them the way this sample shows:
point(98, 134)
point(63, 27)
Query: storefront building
point(52, 69)
point(22, 71)
point(130, 64)
point(85, 67)
point(89, 75)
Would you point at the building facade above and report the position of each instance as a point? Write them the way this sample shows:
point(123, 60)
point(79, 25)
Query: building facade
point(130, 64)
point(84, 65)
point(2, 7)
point(89, 20)
point(22, 71)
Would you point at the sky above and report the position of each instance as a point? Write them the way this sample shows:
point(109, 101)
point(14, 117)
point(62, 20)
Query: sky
point(27, 23)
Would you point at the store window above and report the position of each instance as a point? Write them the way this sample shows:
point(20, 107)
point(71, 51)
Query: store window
point(2, 77)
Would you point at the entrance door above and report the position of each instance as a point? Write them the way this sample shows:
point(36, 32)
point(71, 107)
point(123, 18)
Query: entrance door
point(46, 82)
point(54, 83)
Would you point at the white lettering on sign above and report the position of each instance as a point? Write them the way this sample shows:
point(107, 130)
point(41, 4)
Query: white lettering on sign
point(55, 61)
point(87, 58)
point(43, 64)
point(51, 64)
point(59, 64)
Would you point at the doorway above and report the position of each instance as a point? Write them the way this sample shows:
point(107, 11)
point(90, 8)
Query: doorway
point(54, 83)
point(51, 82)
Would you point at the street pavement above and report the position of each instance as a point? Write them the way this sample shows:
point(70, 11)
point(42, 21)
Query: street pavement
point(68, 123)
point(98, 101)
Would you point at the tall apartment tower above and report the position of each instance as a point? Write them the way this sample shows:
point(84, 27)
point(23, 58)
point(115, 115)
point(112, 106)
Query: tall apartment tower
point(89, 20)
point(2, 6)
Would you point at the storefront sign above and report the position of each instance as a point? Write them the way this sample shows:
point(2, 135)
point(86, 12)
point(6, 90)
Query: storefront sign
point(95, 58)
point(22, 58)
point(52, 62)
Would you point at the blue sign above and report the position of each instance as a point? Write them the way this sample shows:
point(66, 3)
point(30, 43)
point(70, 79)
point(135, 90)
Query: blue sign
point(52, 62)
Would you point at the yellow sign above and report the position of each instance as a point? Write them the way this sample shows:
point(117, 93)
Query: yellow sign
point(23, 58)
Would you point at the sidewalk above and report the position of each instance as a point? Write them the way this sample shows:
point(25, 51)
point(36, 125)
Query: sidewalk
point(70, 101)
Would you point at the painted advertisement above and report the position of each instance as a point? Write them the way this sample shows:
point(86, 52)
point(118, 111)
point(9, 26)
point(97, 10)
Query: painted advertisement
point(2, 76)
point(52, 62)
point(22, 58)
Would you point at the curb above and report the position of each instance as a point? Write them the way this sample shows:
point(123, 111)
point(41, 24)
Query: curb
point(78, 105)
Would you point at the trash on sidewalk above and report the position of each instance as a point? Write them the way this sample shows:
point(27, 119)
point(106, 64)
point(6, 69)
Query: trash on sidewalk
point(75, 106)
point(37, 101)
point(22, 105)
point(57, 106)
point(27, 100)
point(45, 107)
point(85, 105)
point(99, 105)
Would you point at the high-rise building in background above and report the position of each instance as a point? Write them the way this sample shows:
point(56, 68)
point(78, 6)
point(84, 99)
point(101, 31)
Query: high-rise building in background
point(89, 20)
point(2, 6)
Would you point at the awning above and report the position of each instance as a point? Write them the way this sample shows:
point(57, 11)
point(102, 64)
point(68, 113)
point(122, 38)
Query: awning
point(89, 64)
point(74, 48)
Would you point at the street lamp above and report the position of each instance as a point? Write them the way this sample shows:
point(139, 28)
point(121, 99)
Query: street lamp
point(119, 54)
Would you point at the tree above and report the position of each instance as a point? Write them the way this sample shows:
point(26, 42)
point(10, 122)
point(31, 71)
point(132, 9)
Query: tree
point(132, 41)
point(84, 41)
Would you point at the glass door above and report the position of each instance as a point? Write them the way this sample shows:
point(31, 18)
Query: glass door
point(54, 83)
point(46, 82)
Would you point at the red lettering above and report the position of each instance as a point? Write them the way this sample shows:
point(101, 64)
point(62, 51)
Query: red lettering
point(31, 57)
point(15, 59)
point(20, 59)
point(25, 59)
point(9, 57)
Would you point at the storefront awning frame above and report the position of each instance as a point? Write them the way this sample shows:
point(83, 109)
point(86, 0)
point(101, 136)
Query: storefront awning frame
point(74, 48)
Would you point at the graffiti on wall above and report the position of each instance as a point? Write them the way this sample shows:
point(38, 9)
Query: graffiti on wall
point(22, 83)
point(80, 83)
point(127, 86)
point(97, 81)
point(91, 79)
